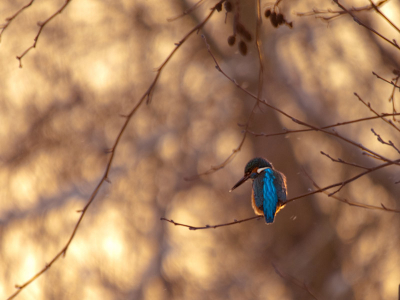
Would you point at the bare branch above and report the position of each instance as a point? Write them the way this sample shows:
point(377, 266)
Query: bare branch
point(339, 160)
point(288, 131)
point(372, 110)
point(319, 190)
point(10, 19)
point(259, 93)
point(372, 156)
point(341, 184)
point(367, 206)
point(390, 143)
point(386, 18)
point(334, 133)
point(320, 14)
point(211, 226)
point(390, 82)
point(391, 98)
point(41, 26)
point(393, 43)
point(187, 11)
point(144, 97)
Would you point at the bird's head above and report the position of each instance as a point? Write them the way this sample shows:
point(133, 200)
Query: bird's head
point(253, 169)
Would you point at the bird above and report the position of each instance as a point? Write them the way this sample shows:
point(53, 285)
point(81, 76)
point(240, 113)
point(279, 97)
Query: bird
point(269, 188)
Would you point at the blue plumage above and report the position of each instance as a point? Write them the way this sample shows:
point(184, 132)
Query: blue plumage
point(269, 188)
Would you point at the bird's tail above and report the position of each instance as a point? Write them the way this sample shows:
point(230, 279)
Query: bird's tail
point(270, 216)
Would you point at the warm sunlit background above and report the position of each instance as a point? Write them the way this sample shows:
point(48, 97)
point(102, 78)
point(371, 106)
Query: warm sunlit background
point(61, 113)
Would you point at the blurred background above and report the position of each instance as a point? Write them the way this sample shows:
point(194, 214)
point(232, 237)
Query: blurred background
point(61, 112)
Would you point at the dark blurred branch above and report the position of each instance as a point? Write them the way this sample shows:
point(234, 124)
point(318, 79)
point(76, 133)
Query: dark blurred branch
point(294, 280)
point(220, 166)
point(393, 43)
point(128, 117)
point(41, 26)
point(277, 2)
point(259, 52)
point(386, 18)
point(10, 19)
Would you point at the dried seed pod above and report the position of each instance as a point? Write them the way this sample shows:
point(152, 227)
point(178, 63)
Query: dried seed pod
point(280, 19)
point(273, 19)
point(242, 48)
point(231, 40)
point(228, 6)
point(240, 29)
point(218, 7)
point(267, 13)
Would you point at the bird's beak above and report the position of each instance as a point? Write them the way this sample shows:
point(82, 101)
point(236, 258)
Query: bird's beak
point(240, 182)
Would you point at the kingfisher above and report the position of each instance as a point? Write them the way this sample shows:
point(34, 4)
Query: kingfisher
point(269, 188)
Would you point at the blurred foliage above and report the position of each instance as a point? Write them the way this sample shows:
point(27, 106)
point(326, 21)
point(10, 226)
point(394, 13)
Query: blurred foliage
point(61, 113)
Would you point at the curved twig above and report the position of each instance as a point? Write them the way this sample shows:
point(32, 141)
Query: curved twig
point(145, 96)
point(41, 26)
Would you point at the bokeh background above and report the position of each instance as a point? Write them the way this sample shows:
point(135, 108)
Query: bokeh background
point(61, 113)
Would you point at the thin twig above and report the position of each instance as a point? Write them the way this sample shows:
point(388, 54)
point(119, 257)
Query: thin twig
point(393, 43)
point(339, 160)
point(372, 156)
point(288, 131)
point(333, 133)
point(145, 96)
point(362, 205)
point(337, 13)
point(390, 143)
point(343, 183)
point(10, 19)
point(319, 190)
point(187, 11)
point(259, 51)
point(386, 18)
point(259, 93)
point(390, 82)
point(211, 226)
point(372, 110)
point(391, 98)
point(41, 26)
